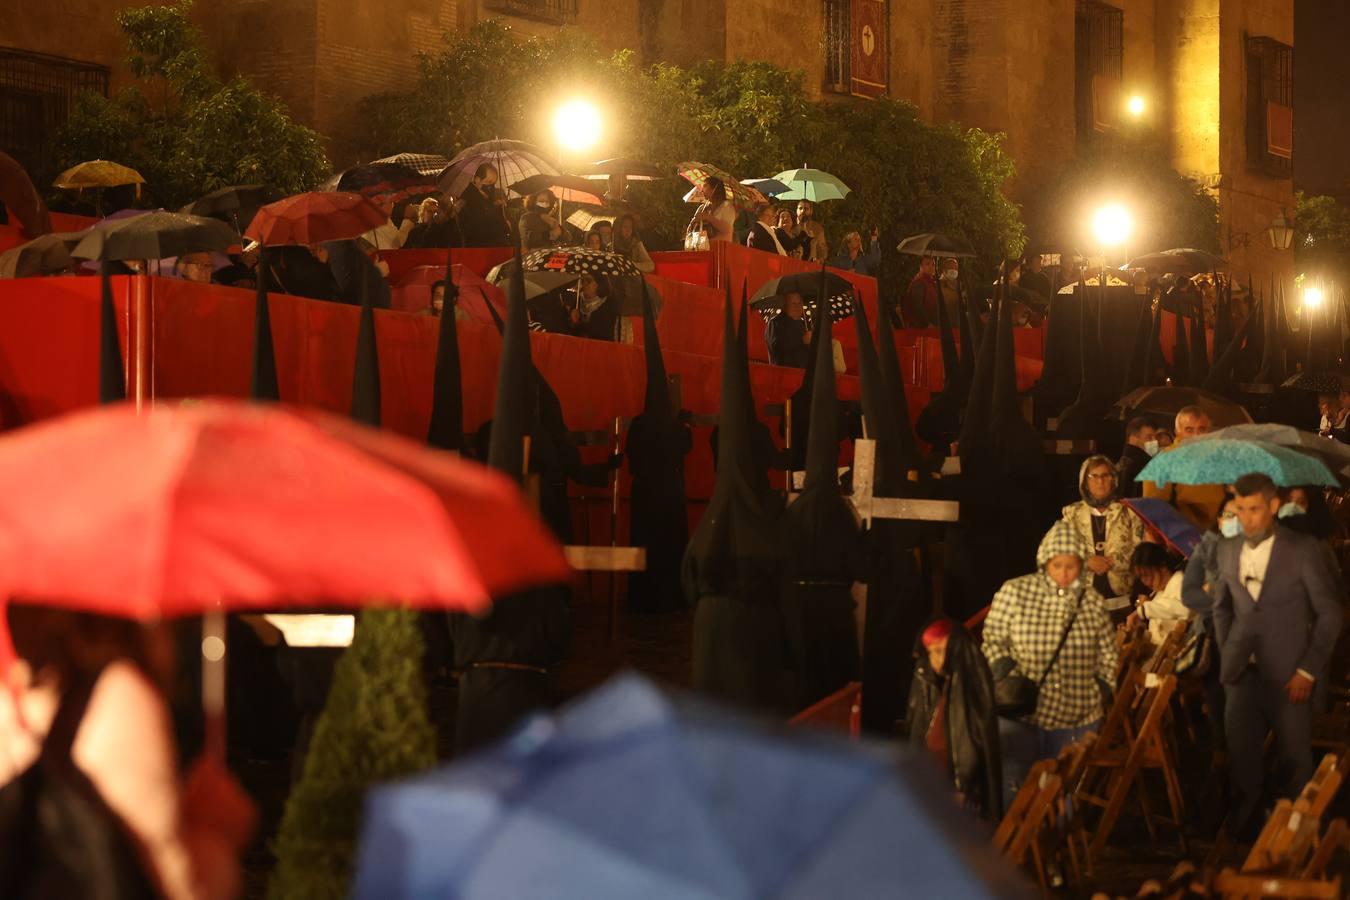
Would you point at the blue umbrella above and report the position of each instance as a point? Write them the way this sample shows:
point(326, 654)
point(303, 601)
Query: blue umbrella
point(1224, 461)
point(629, 794)
point(1162, 517)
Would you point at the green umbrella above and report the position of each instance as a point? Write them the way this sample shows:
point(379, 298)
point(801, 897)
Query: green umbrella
point(811, 184)
point(1224, 461)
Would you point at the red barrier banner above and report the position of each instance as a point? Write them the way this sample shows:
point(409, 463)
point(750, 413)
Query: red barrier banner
point(478, 260)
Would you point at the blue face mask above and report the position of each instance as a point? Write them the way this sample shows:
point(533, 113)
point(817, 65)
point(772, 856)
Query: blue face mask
point(1230, 527)
point(1291, 509)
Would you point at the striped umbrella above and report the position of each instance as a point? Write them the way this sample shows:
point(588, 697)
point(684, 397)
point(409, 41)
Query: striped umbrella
point(515, 161)
point(584, 219)
point(812, 185)
point(742, 195)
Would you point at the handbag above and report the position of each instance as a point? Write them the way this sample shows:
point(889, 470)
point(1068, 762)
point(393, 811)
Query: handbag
point(1016, 696)
point(61, 840)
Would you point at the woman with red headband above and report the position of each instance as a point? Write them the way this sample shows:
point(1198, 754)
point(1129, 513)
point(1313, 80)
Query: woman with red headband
point(951, 714)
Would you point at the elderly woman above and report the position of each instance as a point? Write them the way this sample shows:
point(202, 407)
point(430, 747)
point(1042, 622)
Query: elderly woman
point(1052, 629)
point(1108, 527)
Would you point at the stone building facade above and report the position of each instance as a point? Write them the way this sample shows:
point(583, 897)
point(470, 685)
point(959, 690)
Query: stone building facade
point(1214, 76)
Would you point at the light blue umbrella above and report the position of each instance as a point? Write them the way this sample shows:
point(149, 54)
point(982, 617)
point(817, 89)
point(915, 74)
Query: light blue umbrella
point(1332, 452)
point(811, 184)
point(630, 795)
point(1224, 461)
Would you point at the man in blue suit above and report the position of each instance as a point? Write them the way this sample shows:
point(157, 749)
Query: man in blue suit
point(1277, 615)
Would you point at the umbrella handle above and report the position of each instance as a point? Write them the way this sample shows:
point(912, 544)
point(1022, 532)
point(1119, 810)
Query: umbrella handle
point(213, 682)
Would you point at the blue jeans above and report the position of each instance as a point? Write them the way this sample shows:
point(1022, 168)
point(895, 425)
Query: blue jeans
point(1025, 745)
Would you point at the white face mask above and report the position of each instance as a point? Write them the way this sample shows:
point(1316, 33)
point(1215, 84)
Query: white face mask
point(544, 204)
point(1230, 527)
point(1151, 448)
point(1291, 509)
point(949, 275)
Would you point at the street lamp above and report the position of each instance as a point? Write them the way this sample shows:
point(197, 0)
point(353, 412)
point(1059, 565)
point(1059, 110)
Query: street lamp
point(1135, 106)
point(1280, 232)
point(1313, 297)
point(576, 125)
point(1112, 225)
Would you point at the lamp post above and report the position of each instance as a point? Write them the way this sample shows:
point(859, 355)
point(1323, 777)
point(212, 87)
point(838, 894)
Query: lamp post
point(576, 127)
point(1136, 106)
point(1281, 232)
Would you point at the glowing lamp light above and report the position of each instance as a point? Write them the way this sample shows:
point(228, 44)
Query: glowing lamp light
point(1135, 106)
point(1112, 225)
point(1312, 297)
point(576, 125)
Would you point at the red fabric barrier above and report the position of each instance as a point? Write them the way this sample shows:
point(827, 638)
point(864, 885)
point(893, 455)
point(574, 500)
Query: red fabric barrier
point(49, 345)
point(478, 260)
point(686, 266)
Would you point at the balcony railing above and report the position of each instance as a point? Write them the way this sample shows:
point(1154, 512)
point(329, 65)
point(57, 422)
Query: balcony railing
point(558, 12)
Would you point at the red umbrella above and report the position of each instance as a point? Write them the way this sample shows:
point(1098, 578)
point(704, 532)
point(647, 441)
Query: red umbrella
point(315, 217)
point(21, 198)
point(223, 504)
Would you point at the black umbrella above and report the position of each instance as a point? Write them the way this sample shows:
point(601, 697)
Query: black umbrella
point(1316, 382)
point(235, 205)
point(768, 300)
point(155, 235)
point(571, 188)
point(44, 255)
point(384, 184)
point(1179, 260)
point(561, 265)
point(632, 169)
point(930, 244)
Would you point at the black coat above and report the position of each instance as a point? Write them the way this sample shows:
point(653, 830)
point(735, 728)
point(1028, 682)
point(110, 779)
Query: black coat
point(786, 338)
point(481, 221)
point(431, 235)
point(976, 760)
point(1131, 463)
point(353, 272)
point(601, 324)
point(761, 238)
point(296, 271)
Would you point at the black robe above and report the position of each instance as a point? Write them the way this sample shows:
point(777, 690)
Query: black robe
point(356, 276)
point(786, 338)
point(660, 520)
point(296, 271)
point(1132, 462)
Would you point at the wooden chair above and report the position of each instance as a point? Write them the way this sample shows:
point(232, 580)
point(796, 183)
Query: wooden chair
point(1072, 765)
point(1133, 740)
point(840, 711)
point(1238, 886)
point(1028, 821)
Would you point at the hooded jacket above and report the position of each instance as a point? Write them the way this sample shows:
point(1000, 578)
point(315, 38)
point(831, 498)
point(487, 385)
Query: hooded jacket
point(974, 758)
point(1026, 620)
point(1124, 531)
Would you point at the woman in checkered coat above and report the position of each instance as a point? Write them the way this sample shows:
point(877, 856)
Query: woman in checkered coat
point(1026, 621)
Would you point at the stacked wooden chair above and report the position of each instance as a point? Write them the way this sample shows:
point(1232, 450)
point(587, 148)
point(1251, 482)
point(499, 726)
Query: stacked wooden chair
point(1040, 819)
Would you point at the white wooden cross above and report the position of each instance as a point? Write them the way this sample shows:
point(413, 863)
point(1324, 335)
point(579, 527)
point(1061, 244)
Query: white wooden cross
point(871, 507)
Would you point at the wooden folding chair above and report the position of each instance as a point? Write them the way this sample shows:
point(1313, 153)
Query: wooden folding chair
point(1071, 766)
point(1028, 820)
point(1239, 886)
point(1132, 741)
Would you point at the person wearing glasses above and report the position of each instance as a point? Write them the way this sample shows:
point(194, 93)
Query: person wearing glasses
point(1277, 616)
point(1108, 527)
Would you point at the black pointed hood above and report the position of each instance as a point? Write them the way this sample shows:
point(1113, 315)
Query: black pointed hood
point(263, 385)
point(822, 445)
point(1221, 374)
point(1272, 370)
point(1136, 373)
point(801, 399)
point(366, 378)
point(1153, 360)
point(1181, 350)
point(975, 428)
point(657, 404)
point(515, 383)
point(1199, 353)
point(1003, 397)
point(1223, 312)
point(890, 480)
point(446, 428)
point(112, 383)
point(951, 363)
point(894, 385)
point(737, 538)
point(967, 361)
point(1080, 420)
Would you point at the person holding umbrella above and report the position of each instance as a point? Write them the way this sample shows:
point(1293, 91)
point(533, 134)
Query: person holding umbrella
point(717, 213)
point(786, 334)
point(93, 687)
point(482, 210)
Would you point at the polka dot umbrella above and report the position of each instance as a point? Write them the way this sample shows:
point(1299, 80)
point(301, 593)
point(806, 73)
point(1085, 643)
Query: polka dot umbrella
point(768, 300)
point(622, 276)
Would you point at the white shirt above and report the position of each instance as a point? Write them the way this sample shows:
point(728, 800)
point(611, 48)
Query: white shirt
point(1252, 565)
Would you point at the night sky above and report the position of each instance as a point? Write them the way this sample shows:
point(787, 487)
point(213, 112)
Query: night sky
point(1321, 97)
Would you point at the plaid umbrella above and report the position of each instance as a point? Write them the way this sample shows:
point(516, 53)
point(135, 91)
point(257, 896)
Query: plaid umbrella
point(812, 184)
point(41, 256)
point(584, 218)
point(768, 300)
point(515, 161)
point(421, 163)
point(315, 217)
point(384, 184)
point(742, 195)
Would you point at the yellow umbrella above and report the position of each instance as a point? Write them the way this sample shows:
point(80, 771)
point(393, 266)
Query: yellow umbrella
point(99, 174)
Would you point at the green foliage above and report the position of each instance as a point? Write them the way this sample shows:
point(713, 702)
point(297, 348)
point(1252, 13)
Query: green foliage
point(183, 129)
point(374, 728)
point(1322, 238)
point(752, 119)
point(1170, 210)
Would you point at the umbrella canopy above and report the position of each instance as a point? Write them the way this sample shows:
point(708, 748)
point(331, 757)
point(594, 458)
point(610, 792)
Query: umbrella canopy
point(1179, 260)
point(21, 198)
point(580, 261)
point(812, 184)
point(769, 187)
point(569, 188)
point(741, 194)
point(314, 218)
point(180, 510)
point(421, 163)
point(384, 184)
point(1317, 382)
point(235, 205)
point(515, 161)
point(1335, 454)
point(1166, 402)
point(768, 300)
point(632, 169)
point(584, 219)
point(629, 793)
point(1178, 533)
point(935, 245)
point(44, 255)
point(97, 173)
point(557, 267)
point(1224, 461)
point(155, 235)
